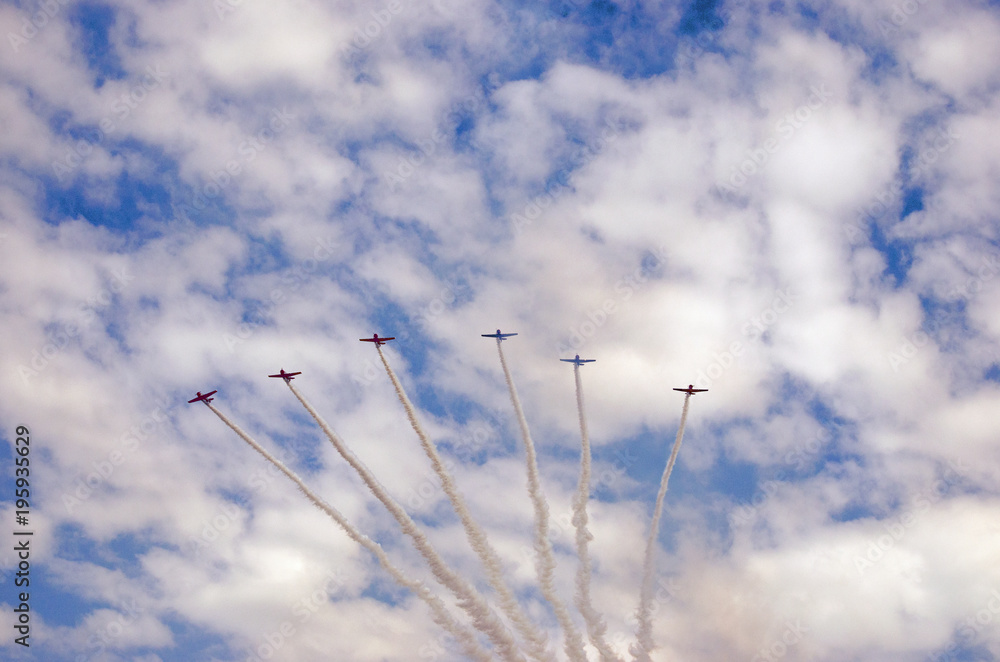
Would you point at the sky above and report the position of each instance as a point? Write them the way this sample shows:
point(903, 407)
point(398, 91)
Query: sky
point(791, 204)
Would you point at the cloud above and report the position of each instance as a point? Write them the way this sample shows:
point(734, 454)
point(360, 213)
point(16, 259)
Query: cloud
point(791, 206)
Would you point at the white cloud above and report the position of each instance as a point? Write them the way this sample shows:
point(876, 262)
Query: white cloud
point(839, 394)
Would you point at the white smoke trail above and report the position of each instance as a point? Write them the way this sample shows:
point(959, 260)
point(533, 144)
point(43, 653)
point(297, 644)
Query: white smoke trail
point(644, 628)
point(545, 562)
point(537, 642)
point(440, 615)
point(596, 628)
point(483, 617)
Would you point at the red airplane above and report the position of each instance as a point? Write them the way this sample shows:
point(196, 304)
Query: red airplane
point(203, 398)
point(375, 339)
point(691, 390)
point(287, 376)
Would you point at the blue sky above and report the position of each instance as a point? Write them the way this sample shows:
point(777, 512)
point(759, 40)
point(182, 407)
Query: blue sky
point(791, 204)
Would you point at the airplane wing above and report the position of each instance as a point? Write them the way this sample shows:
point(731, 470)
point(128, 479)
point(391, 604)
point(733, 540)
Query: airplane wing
point(286, 375)
point(497, 335)
point(203, 397)
point(375, 339)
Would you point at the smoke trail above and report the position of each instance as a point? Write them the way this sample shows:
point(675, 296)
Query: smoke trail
point(440, 615)
point(644, 628)
point(545, 562)
point(596, 628)
point(537, 643)
point(483, 617)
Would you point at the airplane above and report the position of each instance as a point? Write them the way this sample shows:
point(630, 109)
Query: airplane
point(499, 336)
point(203, 398)
point(287, 376)
point(578, 361)
point(691, 390)
point(375, 339)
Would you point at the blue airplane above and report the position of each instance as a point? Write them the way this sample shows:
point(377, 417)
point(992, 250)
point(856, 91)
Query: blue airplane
point(578, 361)
point(499, 336)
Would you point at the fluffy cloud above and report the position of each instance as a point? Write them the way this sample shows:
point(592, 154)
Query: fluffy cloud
point(798, 213)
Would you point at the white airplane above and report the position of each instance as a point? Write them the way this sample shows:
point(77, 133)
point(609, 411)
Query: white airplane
point(578, 361)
